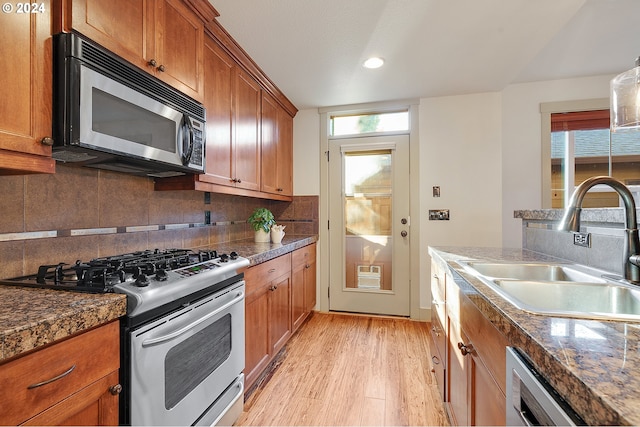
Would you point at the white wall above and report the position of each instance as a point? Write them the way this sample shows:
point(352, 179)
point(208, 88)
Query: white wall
point(306, 153)
point(460, 151)
point(521, 142)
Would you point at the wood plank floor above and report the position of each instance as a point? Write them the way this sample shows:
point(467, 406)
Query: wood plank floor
point(344, 370)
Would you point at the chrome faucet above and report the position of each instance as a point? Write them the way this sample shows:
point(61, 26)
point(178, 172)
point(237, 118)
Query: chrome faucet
point(631, 251)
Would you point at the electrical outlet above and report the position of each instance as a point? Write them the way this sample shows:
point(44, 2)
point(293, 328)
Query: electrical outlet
point(438, 214)
point(582, 239)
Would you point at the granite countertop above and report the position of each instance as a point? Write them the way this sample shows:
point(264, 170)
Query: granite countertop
point(31, 317)
point(593, 365)
point(261, 252)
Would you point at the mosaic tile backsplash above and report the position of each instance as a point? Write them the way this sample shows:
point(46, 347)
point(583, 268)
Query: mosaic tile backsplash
point(80, 213)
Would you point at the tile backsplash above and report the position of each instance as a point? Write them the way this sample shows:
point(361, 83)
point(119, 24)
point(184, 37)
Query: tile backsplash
point(81, 213)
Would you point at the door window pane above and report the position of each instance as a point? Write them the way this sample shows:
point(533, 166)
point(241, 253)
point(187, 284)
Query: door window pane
point(368, 219)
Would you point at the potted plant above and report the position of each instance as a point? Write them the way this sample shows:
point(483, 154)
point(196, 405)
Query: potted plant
point(261, 220)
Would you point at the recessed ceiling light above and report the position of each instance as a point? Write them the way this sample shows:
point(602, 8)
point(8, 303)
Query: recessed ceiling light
point(373, 62)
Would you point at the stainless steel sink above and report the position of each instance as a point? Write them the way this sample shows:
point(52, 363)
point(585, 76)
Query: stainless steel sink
point(533, 271)
point(562, 290)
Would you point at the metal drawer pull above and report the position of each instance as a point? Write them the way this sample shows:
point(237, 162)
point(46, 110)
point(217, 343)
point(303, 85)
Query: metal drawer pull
point(62, 375)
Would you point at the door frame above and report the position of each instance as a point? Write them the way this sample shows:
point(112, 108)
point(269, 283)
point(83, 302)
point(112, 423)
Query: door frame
point(416, 294)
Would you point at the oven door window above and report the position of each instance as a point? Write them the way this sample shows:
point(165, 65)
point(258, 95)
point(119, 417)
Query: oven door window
point(191, 361)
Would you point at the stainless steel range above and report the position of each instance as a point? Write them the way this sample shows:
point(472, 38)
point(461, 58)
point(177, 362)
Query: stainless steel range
point(182, 340)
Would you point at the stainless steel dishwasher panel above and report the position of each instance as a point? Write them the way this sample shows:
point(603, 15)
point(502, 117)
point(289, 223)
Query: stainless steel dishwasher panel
point(531, 400)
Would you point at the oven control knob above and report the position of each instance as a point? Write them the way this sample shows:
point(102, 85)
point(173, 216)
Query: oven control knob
point(142, 281)
point(224, 258)
point(233, 255)
point(161, 275)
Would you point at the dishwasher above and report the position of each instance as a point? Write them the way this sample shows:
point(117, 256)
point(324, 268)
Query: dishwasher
point(531, 401)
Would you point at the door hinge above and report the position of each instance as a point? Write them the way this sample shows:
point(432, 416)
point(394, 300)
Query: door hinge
point(328, 225)
point(327, 154)
point(329, 292)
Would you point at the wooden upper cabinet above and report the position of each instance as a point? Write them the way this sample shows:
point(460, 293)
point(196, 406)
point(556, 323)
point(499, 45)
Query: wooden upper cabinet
point(232, 100)
point(246, 140)
point(163, 37)
point(25, 110)
point(218, 101)
point(249, 140)
point(277, 148)
point(178, 47)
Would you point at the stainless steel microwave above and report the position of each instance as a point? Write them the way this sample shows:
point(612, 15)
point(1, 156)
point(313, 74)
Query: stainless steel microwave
point(108, 114)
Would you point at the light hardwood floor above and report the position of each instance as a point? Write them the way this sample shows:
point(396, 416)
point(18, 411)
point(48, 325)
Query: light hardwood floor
point(344, 370)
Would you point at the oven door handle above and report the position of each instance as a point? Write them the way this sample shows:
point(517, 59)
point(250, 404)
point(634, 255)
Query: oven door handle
point(152, 341)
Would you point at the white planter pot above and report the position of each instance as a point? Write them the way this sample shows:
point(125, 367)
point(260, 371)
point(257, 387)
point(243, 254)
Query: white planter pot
point(262, 237)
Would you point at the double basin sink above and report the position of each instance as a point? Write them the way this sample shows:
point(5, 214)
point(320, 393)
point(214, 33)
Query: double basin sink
point(558, 289)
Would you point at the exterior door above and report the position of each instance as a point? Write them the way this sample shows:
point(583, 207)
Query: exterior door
point(369, 225)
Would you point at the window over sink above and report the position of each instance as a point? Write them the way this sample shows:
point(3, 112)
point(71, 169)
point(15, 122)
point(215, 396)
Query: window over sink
point(577, 144)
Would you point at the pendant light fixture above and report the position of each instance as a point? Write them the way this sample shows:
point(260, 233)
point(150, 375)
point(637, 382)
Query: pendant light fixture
point(625, 100)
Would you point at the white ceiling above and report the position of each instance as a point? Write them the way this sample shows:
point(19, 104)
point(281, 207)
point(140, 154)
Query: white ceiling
point(313, 49)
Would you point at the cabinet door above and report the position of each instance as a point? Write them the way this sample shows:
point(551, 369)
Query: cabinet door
point(310, 280)
point(256, 333)
point(280, 313)
point(25, 110)
point(95, 405)
point(488, 402)
point(269, 144)
point(277, 148)
point(246, 142)
point(118, 25)
point(219, 70)
point(285, 153)
point(458, 377)
point(298, 306)
point(179, 40)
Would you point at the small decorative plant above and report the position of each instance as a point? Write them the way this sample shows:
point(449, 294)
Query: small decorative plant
point(262, 219)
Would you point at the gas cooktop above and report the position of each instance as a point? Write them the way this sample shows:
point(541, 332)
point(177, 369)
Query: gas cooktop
point(149, 278)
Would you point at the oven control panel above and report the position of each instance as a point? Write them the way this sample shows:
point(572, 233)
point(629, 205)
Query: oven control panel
point(197, 269)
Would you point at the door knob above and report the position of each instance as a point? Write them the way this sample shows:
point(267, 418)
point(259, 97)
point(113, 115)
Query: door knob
point(403, 233)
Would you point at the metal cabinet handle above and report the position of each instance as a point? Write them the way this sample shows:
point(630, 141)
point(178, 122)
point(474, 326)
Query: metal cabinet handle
point(152, 62)
point(435, 360)
point(161, 68)
point(273, 287)
point(56, 378)
point(272, 270)
point(115, 389)
point(465, 349)
point(47, 140)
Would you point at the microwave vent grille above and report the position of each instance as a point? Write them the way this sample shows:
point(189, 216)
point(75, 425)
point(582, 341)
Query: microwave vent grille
point(129, 75)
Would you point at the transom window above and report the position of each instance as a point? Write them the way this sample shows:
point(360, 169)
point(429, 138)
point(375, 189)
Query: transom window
point(369, 123)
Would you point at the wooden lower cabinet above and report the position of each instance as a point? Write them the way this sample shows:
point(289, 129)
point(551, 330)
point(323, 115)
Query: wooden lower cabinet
point(267, 314)
point(469, 352)
point(73, 382)
point(303, 284)
point(281, 293)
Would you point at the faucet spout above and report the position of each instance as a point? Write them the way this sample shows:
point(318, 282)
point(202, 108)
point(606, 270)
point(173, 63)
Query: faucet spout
point(631, 251)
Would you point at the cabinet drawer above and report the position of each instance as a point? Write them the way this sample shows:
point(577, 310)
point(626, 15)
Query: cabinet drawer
point(29, 383)
point(303, 256)
point(262, 274)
